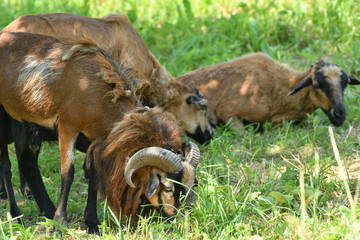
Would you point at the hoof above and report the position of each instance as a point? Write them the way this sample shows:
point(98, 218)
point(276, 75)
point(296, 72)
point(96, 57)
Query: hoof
point(94, 231)
point(94, 228)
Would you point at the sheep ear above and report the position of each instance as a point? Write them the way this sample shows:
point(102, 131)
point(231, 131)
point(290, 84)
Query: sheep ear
point(353, 81)
point(152, 185)
point(304, 83)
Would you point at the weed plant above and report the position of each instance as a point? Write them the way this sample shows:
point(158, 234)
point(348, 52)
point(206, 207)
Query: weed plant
point(283, 183)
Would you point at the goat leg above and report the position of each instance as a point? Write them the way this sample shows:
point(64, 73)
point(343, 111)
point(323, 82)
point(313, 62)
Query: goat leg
point(2, 190)
point(91, 218)
point(67, 139)
point(5, 173)
point(28, 166)
point(24, 186)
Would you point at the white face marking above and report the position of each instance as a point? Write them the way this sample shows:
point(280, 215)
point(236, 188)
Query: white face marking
point(332, 73)
point(191, 116)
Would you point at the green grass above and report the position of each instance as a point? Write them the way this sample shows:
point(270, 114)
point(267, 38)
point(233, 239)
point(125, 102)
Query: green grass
point(250, 184)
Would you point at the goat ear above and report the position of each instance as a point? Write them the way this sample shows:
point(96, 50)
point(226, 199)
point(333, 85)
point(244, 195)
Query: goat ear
point(353, 81)
point(304, 83)
point(152, 185)
point(192, 99)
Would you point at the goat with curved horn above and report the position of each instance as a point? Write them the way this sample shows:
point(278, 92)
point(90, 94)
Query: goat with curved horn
point(154, 177)
point(153, 156)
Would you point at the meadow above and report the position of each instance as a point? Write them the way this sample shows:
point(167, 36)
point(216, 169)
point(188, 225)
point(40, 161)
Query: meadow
point(284, 183)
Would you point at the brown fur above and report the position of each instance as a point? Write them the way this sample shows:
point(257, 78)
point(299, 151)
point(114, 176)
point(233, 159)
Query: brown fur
point(116, 35)
point(26, 105)
point(135, 132)
point(83, 94)
point(255, 88)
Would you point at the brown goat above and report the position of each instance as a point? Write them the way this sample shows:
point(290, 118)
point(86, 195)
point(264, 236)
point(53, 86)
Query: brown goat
point(73, 86)
point(151, 81)
point(255, 88)
point(135, 132)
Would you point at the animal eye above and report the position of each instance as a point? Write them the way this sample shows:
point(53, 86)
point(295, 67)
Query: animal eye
point(168, 189)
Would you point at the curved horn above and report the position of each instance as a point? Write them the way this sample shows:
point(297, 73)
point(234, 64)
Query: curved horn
point(161, 158)
point(192, 153)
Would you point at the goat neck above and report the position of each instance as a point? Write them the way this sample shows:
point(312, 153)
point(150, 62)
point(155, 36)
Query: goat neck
point(302, 103)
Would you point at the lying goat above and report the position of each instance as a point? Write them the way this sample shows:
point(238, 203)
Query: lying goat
point(75, 87)
point(150, 79)
point(255, 88)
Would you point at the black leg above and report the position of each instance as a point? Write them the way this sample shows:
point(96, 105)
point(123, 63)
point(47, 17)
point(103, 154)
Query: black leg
point(91, 218)
point(86, 172)
point(5, 173)
point(66, 181)
point(28, 165)
point(24, 186)
point(2, 190)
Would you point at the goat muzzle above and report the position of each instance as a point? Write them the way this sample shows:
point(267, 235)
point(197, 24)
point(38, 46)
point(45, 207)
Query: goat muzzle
point(337, 115)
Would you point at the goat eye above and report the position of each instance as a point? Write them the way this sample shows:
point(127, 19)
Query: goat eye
point(203, 108)
point(168, 189)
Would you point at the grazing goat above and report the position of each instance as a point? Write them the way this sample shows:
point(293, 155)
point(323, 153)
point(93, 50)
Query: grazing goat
point(255, 88)
point(76, 87)
point(151, 81)
point(116, 165)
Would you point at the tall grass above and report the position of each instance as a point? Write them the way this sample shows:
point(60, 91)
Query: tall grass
point(283, 183)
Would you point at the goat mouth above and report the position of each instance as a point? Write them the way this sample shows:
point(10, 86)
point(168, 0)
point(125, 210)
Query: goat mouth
point(201, 136)
point(336, 120)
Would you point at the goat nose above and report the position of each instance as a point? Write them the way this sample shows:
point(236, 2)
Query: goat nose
point(339, 112)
